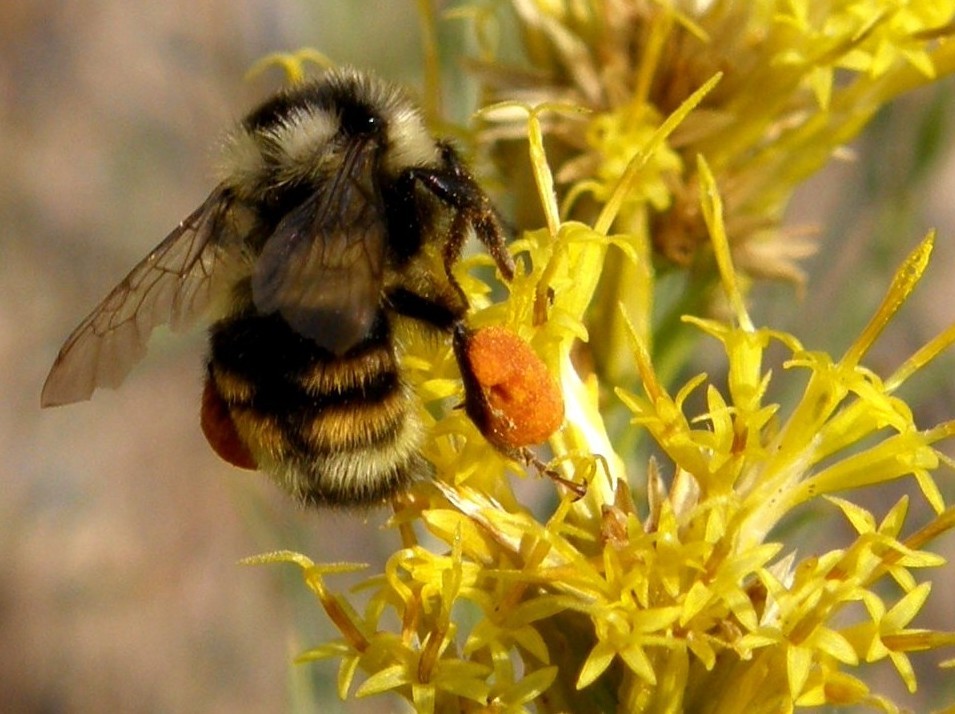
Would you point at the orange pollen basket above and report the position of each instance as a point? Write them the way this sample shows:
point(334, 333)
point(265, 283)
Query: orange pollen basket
point(525, 399)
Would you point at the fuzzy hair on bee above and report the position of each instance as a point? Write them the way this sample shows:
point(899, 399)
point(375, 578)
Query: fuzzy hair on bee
point(304, 260)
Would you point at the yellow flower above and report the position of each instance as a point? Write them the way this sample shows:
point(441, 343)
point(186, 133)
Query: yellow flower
point(799, 80)
point(702, 118)
point(776, 117)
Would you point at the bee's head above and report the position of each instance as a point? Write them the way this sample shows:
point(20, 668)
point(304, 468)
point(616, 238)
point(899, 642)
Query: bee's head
point(306, 134)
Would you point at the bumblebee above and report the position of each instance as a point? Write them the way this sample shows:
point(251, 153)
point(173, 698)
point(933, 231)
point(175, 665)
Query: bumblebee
point(304, 260)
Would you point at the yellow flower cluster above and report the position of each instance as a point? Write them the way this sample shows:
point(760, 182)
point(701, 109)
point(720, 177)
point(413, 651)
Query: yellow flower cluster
point(701, 119)
point(799, 79)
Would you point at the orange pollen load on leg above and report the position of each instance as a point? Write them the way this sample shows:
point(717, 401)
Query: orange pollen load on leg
point(220, 431)
point(525, 399)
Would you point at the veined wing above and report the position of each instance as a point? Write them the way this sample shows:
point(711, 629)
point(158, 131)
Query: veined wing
point(322, 268)
point(173, 285)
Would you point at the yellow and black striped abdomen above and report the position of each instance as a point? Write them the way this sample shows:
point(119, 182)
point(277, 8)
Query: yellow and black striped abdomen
point(333, 429)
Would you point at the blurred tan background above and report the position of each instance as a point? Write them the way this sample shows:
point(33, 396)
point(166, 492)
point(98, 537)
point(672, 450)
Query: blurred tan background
point(119, 529)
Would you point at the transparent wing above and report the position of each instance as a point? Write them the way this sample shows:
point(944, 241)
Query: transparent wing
point(322, 267)
point(174, 284)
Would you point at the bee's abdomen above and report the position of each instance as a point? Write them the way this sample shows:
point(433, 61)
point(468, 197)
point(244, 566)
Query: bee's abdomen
point(333, 429)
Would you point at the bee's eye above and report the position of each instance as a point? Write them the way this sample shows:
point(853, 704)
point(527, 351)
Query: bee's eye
point(357, 120)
